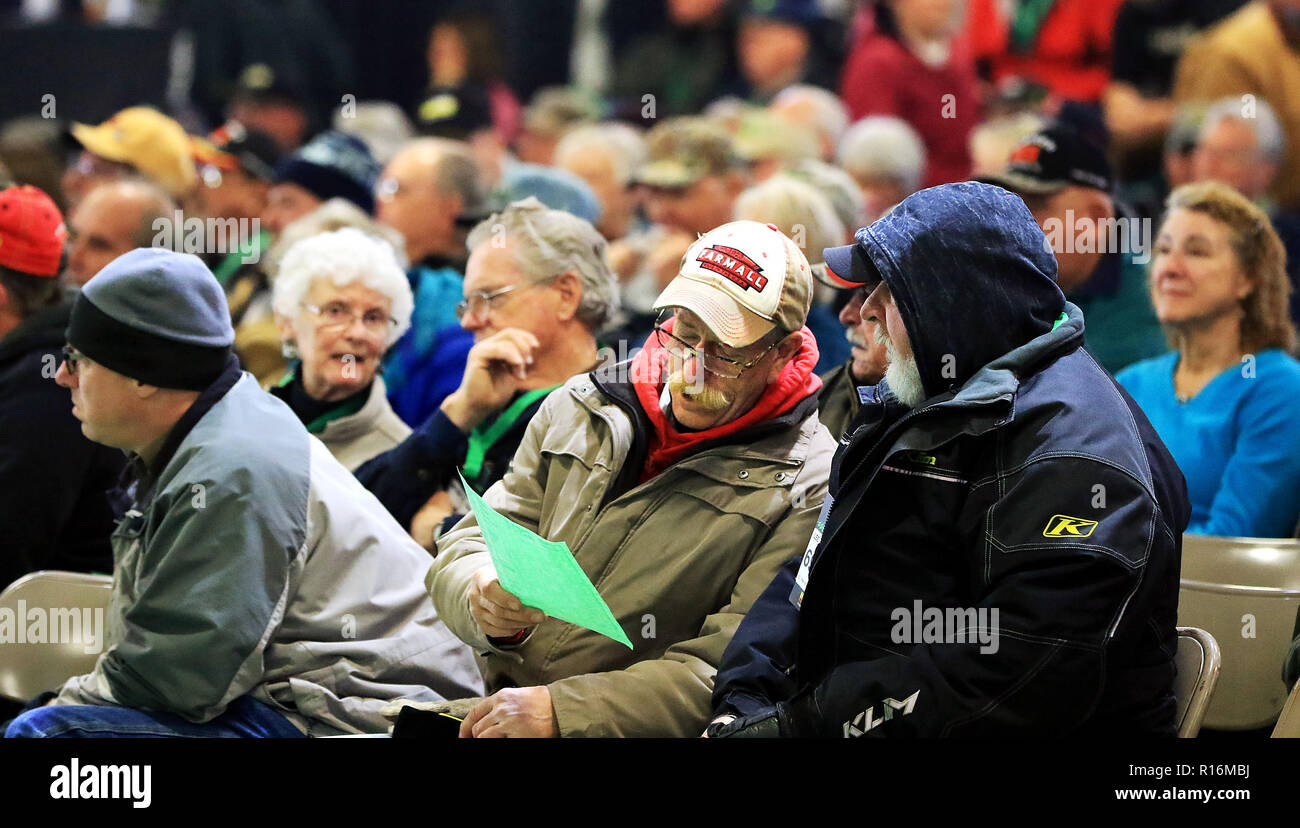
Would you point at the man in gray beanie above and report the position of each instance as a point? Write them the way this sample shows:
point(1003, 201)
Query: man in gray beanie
point(259, 590)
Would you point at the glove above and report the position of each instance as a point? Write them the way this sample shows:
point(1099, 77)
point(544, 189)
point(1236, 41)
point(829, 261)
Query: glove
point(768, 723)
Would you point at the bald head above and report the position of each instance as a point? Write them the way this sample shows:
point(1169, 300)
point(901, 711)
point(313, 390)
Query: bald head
point(113, 218)
point(423, 189)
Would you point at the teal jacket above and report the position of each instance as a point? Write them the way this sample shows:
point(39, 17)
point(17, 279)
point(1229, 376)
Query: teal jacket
point(1122, 324)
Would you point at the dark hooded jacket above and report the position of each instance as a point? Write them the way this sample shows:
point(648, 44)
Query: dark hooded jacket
point(1027, 482)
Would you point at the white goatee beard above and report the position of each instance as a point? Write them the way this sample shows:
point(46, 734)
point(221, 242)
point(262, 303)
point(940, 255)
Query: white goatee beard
point(903, 375)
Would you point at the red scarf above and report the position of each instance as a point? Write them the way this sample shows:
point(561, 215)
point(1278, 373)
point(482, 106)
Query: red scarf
point(667, 445)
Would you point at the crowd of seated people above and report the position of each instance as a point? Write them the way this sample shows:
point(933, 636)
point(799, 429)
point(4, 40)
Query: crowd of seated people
point(637, 302)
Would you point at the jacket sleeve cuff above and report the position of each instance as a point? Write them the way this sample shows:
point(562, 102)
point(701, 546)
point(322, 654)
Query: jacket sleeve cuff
point(437, 441)
point(740, 704)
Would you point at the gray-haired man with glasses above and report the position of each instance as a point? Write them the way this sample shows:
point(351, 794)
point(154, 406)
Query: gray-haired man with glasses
point(680, 480)
point(536, 290)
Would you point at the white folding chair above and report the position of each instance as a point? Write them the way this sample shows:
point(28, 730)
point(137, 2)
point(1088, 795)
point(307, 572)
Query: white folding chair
point(1198, 662)
point(63, 604)
point(1245, 592)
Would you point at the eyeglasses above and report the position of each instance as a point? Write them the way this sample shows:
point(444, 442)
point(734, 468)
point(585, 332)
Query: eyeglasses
point(70, 358)
point(481, 302)
point(714, 363)
point(339, 315)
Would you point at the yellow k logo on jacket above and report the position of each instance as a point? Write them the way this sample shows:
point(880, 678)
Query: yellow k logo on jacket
point(1064, 526)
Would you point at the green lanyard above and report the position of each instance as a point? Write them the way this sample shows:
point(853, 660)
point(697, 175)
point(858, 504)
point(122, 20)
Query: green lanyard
point(1028, 22)
point(317, 425)
point(481, 438)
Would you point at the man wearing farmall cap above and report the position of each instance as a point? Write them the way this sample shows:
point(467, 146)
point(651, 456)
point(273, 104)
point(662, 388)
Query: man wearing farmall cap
point(258, 589)
point(680, 480)
point(138, 140)
point(54, 511)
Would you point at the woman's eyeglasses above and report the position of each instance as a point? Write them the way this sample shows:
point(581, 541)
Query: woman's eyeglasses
point(338, 315)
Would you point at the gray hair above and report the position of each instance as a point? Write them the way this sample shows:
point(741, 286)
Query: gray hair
point(830, 116)
point(344, 256)
point(624, 146)
point(332, 215)
point(838, 186)
point(382, 125)
point(883, 146)
point(1263, 122)
point(548, 242)
point(799, 211)
point(555, 109)
point(451, 166)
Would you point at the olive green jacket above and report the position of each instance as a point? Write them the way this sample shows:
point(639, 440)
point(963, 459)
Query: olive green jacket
point(839, 402)
point(679, 558)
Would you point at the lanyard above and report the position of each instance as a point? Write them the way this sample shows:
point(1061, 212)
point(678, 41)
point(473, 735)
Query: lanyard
point(481, 439)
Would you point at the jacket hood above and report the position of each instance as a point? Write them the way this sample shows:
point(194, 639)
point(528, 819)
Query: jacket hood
point(971, 273)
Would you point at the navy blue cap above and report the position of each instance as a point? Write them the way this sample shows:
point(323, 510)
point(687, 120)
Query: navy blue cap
point(333, 164)
point(849, 266)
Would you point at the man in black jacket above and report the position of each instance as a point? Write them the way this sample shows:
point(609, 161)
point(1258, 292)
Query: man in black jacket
point(54, 512)
point(1000, 553)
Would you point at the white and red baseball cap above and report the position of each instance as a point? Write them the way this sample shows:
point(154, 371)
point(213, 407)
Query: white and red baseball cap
point(743, 279)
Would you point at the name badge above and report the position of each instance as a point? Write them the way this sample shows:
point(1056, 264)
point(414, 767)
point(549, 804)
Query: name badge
point(805, 565)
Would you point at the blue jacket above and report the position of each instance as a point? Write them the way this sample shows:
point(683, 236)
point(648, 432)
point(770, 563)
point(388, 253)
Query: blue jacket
point(1027, 501)
point(427, 363)
point(1237, 441)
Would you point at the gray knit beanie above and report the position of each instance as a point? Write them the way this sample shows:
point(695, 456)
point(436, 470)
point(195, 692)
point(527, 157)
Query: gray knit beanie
point(155, 316)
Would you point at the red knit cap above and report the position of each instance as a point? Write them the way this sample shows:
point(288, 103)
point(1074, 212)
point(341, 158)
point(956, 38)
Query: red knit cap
point(31, 231)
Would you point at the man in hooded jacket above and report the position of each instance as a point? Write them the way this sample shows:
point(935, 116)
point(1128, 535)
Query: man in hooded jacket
point(1000, 549)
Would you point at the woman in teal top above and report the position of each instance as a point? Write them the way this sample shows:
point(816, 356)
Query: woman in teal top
point(1223, 401)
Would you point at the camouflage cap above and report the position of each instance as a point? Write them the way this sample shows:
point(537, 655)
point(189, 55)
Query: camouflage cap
point(684, 150)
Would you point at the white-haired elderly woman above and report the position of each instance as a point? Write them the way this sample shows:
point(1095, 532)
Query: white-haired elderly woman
point(341, 299)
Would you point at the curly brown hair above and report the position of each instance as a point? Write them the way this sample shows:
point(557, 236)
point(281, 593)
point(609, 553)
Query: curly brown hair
point(1266, 321)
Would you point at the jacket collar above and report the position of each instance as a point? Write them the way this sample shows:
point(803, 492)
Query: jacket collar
point(363, 420)
point(146, 476)
point(748, 443)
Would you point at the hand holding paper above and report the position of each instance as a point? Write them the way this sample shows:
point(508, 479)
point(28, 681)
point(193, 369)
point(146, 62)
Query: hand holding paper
point(542, 573)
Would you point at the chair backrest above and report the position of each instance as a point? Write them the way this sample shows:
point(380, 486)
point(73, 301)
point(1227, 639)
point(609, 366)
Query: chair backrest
point(55, 629)
point(1198, 662)
point(1288, 724)
point(1245, 592)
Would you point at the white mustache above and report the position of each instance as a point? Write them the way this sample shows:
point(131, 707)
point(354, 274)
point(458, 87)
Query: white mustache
point(882, 338)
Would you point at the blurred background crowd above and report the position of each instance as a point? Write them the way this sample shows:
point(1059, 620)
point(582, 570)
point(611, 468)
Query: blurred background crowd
point(411, 121)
